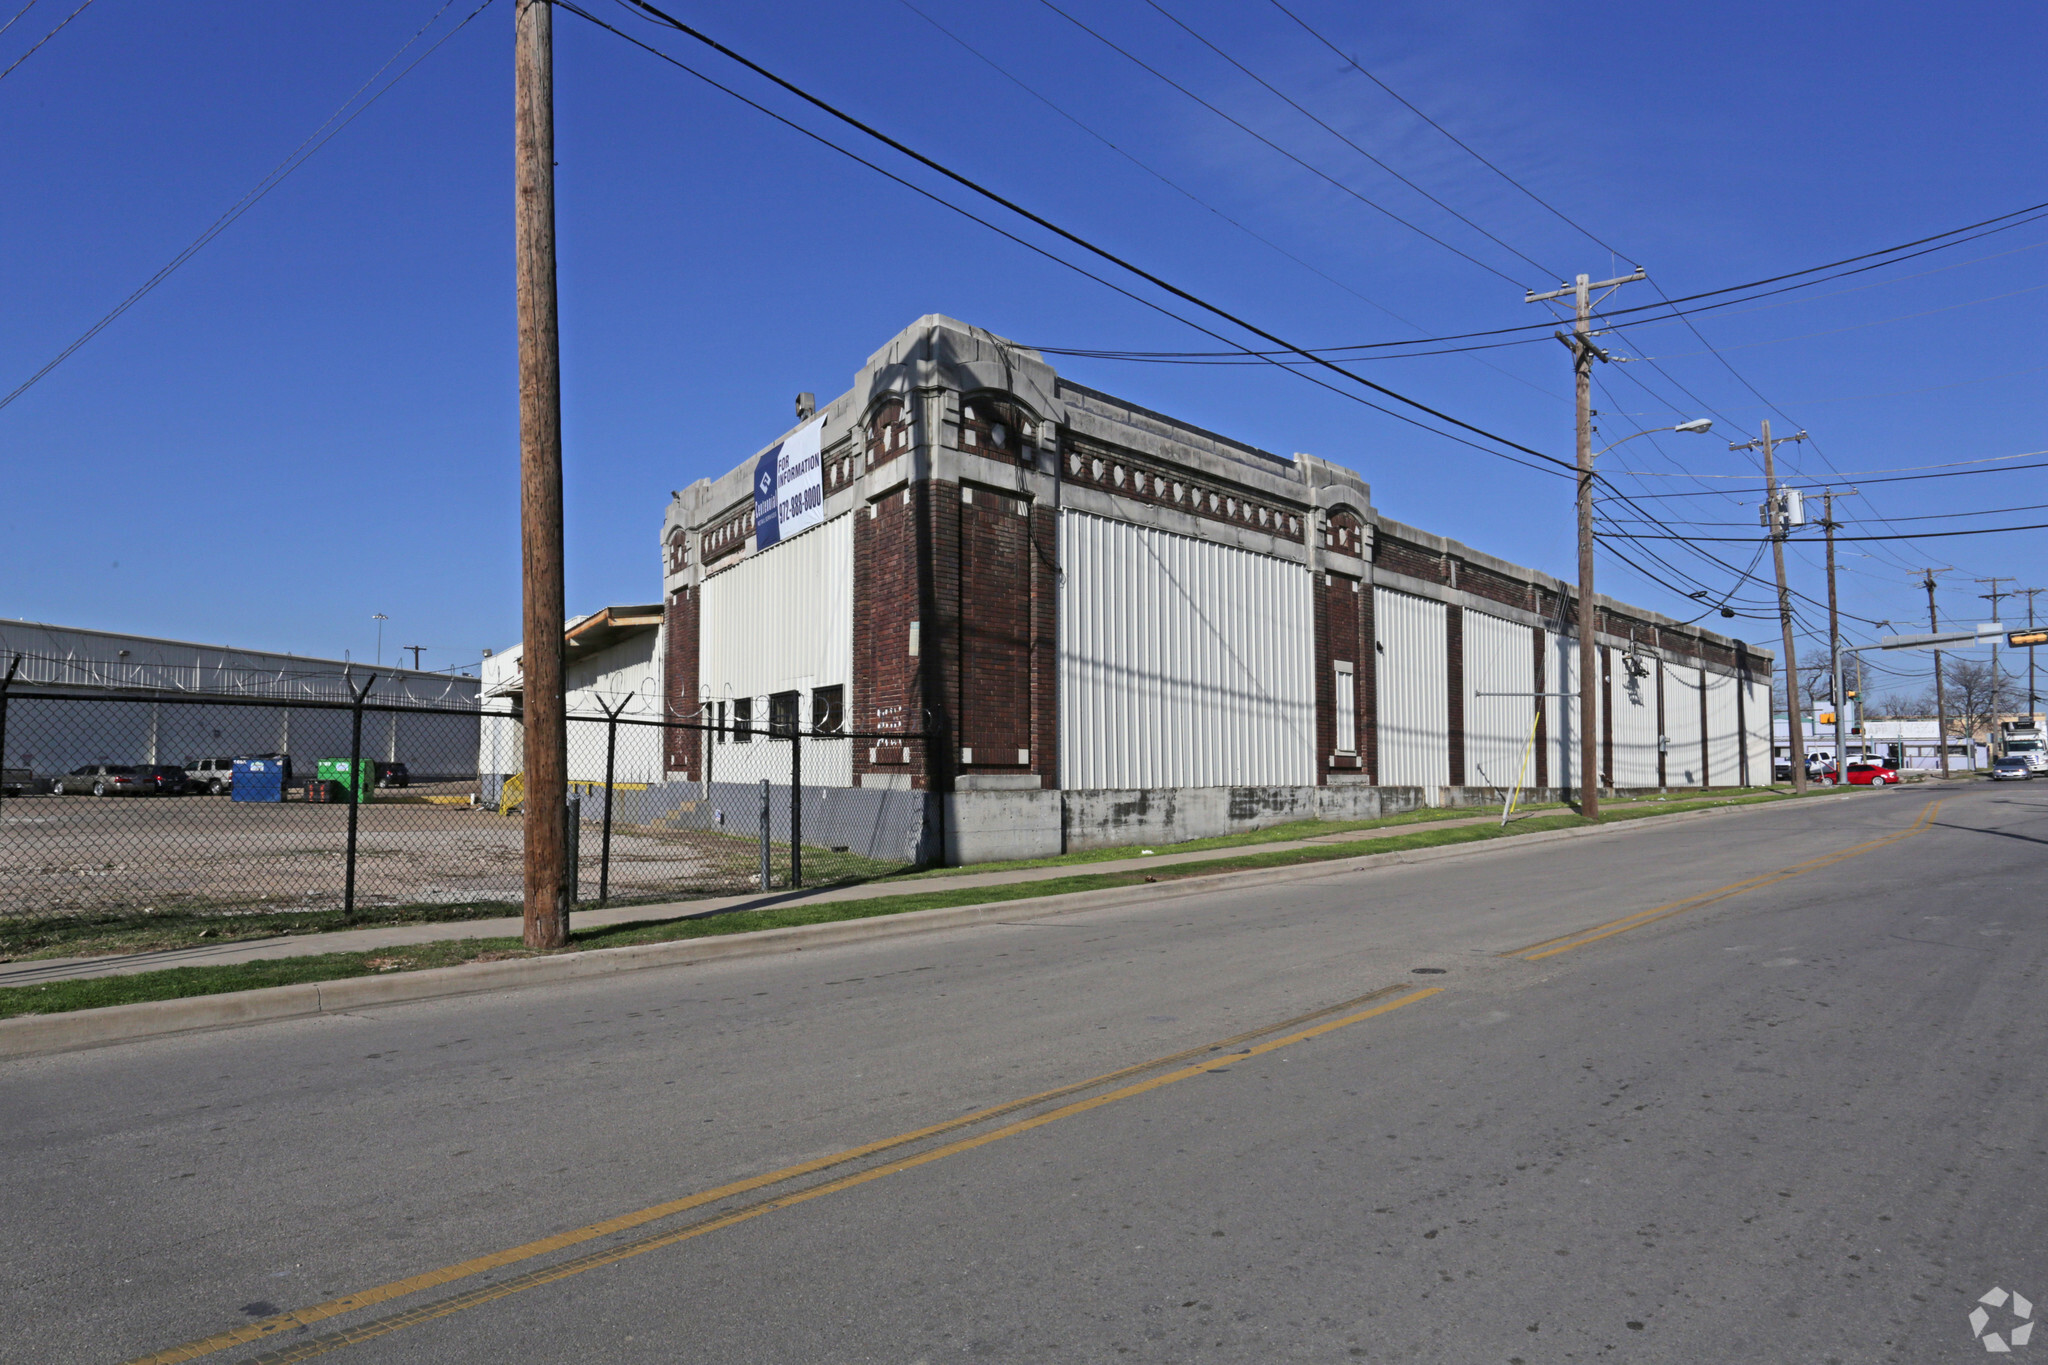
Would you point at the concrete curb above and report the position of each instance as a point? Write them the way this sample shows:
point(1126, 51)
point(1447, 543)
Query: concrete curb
point(37, 1034)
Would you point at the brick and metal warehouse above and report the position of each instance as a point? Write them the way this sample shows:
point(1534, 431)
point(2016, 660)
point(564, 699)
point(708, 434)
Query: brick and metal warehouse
point(1108, 626)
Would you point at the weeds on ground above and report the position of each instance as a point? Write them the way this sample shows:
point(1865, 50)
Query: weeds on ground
point(179, 982)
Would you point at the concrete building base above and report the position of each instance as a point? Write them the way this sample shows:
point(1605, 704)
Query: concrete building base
point(993, 825)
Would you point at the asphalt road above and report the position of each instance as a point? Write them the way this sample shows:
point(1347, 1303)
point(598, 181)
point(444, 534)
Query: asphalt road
point(1802, 1121)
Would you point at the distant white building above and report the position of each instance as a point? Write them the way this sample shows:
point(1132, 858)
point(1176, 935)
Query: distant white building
point(85, 696)
point(1900, 743)
point(613, 661)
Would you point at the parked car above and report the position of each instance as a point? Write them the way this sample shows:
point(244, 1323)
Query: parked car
point(2011, 769)
point(393, 775)
point(1872, 775)
point(101, 779)
point(211, 775)
point(165, 779)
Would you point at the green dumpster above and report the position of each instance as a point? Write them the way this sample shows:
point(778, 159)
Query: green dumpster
point(336, 771)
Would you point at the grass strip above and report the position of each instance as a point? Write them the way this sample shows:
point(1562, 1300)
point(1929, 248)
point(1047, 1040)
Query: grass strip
point(113, 932)
point(174, 983)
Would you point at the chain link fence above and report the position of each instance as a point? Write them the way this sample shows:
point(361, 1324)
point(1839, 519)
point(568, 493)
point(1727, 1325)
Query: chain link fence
point(119, 806)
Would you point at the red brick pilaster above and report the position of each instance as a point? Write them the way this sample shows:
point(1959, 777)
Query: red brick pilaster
point(1340, 635)
point(682, 753)
point(886, 695)
point(1454, 673)
point(1368, 685)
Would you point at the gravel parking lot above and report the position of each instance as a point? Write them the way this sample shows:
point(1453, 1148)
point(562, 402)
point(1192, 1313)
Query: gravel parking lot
point(73, 854)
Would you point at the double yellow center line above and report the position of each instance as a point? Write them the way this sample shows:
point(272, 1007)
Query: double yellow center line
point(283, 1329)
point(1564, 943)
point(1211, 1057)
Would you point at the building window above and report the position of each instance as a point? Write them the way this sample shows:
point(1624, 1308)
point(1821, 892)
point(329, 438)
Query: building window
point(783, 714)
point(828, 710)
point(742, 720)
point(1347, 708)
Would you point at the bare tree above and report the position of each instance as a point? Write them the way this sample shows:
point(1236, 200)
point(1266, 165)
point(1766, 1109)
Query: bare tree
point(1816, 682)
point(1976, 695)
point(1900, 706)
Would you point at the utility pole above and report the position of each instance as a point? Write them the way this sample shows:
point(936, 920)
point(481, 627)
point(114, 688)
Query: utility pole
point(415, 655)
point(1778, 518)
point(1940, 693)
point(2028, 593)
point(1993, 598)
point(1827, 521)
point(540, 479)
point(1579, 341)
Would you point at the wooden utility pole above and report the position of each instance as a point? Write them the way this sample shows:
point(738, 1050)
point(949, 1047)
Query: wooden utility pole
point(1940, 693)
point(1777, 519)
point(1580, 343)
point(1835, 641)
point(2028, 593)
point(1994, 597)
point(540, 481)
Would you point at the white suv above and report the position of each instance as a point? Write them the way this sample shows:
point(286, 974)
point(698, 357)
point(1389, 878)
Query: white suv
point(211, 775)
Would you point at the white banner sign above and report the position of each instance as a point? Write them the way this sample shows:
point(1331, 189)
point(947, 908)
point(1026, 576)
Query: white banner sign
point(789, 487)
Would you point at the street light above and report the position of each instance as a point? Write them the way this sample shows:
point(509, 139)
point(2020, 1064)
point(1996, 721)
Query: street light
point(1589, 744)
point(1696, 425)
point(380, 618)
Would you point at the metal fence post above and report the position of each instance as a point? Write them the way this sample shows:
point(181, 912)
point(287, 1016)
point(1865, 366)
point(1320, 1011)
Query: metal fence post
point(572, 855)
point(611, 748)
point(767, 875)
point(355, 789)
point(6, 682)
point(796, 808)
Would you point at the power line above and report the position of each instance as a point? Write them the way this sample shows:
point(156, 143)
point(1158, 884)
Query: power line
point(1182, 190)
point(1927, 516)
point(1868, 473)
point(1353, 63)
point(315, 140)
point(1347, 141)
point(1012, 206)
point(1916, 535)
point(1156, 174)
point(1901, 478)
point(17, 16)
point(1614, 317)
point(1254, 133)
point(1859, 326)
point(40, 41)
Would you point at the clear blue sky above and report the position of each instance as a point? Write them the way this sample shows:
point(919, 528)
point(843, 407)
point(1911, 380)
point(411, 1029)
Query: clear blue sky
point(315, 419)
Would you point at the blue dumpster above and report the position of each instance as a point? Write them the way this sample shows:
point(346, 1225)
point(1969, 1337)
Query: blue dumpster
point(259, 779)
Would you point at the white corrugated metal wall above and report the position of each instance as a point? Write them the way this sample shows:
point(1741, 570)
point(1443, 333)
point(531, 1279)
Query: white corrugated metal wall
point(1500, 656)
point(627, 678)
point(1756, 702)
point(781, 620)
point(1561, 723)
point(1633, 691)
point(1182, 663)
point(1414, 688)
point(1724, 744)
point(1682, 725)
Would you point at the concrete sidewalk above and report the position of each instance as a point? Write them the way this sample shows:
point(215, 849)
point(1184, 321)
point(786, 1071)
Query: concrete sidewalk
point(36, 972)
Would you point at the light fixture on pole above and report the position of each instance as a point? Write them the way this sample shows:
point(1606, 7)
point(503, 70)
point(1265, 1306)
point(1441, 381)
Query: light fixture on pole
point(1782, 510)
point(1589, 743)
point(380, 618)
